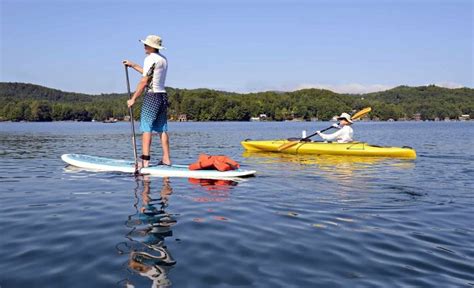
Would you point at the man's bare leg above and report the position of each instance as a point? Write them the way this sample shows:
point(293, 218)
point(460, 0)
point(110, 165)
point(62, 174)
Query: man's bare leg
point(146, 143)
point(165, 143)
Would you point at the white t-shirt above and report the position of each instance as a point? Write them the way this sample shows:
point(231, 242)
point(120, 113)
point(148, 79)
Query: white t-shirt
point(159, 73)
point(343, 135)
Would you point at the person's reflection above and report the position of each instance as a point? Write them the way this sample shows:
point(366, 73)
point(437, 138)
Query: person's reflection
point(152, 259)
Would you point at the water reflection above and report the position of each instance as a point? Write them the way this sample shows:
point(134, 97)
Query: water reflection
point(217, 190)
point(149, 257)
point(338, 168)
point(328, 161)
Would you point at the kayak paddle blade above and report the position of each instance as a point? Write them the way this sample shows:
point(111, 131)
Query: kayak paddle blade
point(361, 113)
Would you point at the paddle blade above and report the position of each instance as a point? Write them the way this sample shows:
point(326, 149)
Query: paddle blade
point(288, 145)
point(361, 113)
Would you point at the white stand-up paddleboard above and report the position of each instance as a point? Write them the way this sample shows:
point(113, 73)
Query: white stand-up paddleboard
point(106, 164)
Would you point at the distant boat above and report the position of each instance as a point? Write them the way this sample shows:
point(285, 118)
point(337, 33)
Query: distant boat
point(110, 120)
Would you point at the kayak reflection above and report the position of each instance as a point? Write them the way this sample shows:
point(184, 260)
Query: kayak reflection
point(333, 167)
point(150, 225)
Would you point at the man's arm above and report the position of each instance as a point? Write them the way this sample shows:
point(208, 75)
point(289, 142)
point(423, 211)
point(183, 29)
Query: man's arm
point(139, 91)
point(135, 66)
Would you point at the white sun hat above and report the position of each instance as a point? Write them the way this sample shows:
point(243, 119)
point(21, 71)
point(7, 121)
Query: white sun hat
point(153, 41)
point(345, 116)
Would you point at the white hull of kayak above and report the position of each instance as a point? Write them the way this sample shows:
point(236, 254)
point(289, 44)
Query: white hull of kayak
point(105, 164)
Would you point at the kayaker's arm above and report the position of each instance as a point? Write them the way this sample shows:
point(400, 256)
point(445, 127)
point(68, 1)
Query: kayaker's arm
point(331, 137)
point(139, 91)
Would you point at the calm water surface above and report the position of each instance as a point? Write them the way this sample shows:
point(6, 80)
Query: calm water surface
point(302, 222)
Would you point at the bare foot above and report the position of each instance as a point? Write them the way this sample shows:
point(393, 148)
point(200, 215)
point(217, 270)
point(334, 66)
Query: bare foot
point(142, 164)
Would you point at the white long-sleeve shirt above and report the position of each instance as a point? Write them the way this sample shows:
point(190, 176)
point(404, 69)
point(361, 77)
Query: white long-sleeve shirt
point(343, 135)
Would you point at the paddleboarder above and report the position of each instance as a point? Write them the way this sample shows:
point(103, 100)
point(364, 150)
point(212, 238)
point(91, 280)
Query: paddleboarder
point(345, 132)
point(153, 117)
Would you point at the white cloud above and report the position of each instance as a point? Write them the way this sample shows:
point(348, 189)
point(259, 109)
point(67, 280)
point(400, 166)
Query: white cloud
point(451, 85)
point(353, 88)
point(348, 88)
point(357, 88)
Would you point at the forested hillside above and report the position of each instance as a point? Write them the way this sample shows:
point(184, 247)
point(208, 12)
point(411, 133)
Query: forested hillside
point(21, 101)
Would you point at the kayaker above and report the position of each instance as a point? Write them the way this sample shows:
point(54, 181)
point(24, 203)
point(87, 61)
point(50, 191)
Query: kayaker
point(345, 132)
point(155, 103)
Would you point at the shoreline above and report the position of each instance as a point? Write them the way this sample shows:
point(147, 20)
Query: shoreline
point(266, 121)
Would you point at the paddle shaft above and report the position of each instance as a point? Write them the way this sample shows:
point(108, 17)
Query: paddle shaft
point(314, 134)
point(130, 111)
point(293, 143)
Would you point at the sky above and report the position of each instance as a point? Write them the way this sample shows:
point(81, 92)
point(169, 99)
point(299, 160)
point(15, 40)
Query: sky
point(244, 46)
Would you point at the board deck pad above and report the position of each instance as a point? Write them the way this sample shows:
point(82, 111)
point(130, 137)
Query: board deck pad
point(106, 164)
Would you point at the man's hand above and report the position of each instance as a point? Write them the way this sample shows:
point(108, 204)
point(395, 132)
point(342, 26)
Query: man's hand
point(318, 132)
point(132, 65)
point(335, 125)
point(128, 63)
point(130, 102)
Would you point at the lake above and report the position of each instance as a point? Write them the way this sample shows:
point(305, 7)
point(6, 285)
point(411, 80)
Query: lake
point(303, 221)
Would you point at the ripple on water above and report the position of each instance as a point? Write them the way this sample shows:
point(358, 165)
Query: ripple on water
point(304, 221)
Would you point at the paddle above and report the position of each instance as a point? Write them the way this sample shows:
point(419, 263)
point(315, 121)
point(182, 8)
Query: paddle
point(356, 116)
point(130, 111)
point(361, 113)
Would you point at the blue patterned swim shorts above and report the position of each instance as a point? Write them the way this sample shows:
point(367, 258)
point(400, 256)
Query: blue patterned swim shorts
point(154, 113)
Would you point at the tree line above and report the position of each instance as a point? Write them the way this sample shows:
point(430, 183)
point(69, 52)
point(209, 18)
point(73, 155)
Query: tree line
point(22, 101)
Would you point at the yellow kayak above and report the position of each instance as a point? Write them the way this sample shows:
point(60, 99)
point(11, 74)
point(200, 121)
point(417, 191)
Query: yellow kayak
point(323, 148)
